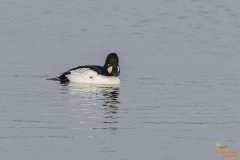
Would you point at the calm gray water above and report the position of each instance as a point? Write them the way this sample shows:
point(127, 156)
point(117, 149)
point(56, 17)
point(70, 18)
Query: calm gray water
point(179, 92)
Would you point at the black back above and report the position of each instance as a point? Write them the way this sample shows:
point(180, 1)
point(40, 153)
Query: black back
point(64, 79)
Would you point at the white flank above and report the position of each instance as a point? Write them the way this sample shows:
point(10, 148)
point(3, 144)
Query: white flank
point(86, 75)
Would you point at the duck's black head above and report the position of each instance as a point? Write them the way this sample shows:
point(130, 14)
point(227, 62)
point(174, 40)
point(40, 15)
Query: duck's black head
point(111, 65)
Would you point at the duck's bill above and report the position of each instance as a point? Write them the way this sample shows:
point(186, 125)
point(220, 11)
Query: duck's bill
point(115, 71)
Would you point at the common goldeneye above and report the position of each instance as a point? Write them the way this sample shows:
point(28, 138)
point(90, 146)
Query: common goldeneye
point(93, 74)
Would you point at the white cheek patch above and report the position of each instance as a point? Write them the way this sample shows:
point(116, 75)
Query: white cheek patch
point(109, 69)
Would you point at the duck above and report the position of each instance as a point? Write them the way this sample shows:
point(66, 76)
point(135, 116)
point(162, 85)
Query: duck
point(94, 74)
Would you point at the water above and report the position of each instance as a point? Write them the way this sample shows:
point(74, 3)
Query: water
point(179, 92)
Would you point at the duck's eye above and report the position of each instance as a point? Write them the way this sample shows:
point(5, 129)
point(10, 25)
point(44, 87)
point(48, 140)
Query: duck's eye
point(108, 65)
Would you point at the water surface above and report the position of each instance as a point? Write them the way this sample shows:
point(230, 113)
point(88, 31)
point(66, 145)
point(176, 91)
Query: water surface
point(179, 91)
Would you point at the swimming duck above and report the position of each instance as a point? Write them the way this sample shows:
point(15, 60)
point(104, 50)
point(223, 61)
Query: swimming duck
point(94, 74)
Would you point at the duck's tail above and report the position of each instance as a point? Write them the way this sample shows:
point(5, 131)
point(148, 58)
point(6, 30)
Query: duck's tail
point(63, 79)
point(54, 79)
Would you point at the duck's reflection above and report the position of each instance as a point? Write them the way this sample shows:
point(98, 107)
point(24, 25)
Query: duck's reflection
point(91, 96)
point(105, 95)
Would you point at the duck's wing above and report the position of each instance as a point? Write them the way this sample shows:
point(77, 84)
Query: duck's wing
point(90, 71)
point(82, 71)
